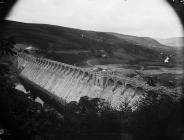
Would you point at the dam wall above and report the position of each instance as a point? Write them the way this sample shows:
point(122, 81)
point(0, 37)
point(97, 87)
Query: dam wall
point(70, 83)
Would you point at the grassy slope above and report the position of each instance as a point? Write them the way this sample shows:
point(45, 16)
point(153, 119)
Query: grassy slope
point(120, 48)
point(142, 41)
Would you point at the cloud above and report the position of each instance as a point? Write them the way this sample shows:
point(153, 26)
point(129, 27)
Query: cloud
point(135, 17)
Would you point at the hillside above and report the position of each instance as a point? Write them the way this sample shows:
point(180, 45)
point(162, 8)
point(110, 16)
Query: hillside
point(143, 41)
point(174, 42)
point(76, 46)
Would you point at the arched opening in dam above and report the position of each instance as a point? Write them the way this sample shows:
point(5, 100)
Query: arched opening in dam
point(110, 83)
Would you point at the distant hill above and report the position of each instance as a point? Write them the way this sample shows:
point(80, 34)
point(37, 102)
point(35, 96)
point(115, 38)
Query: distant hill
point(143, 41)
point(174, 42)
point(76, 46)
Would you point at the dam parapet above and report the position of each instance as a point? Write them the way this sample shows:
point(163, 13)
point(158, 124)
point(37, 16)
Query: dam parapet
point(70, 82)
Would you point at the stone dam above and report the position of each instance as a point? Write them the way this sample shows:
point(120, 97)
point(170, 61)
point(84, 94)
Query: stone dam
point(69, 83)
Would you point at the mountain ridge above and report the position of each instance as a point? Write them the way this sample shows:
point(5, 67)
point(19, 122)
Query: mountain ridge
point(173, 41)
point(102, 46)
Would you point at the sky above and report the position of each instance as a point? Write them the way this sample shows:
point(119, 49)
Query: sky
point(151, 18)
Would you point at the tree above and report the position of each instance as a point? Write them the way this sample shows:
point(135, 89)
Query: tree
point(6, 46)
